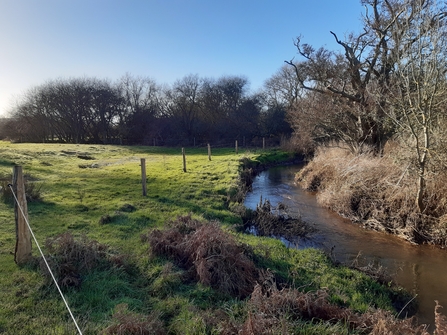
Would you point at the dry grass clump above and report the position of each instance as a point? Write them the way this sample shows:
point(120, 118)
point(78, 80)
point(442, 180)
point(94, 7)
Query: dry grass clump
point(280, 311)
point(210, 254)
point(69, 258)
point(33, 189)
point(128, 323)
point(440, 321)
point(379, 192)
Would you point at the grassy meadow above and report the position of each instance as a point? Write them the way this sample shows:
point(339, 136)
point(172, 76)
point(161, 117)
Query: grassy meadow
point(91, 206)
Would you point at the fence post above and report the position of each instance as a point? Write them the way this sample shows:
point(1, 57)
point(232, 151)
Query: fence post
point(23, 235)
point(209, 152)
point(236, 149)
point(143, 175)
point(184, 159)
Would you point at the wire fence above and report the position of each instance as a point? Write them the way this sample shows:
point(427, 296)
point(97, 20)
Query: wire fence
point(43, 257)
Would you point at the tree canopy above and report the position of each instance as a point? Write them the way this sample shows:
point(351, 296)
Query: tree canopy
point(137, 110)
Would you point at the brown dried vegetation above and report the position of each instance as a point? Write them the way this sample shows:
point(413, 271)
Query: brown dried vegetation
point(213, 257)
point(210, 255)
point(293, 305)
point(379, 192)
point(274, 311)
point(70, 258)
point(128, 323)
point(267, 220)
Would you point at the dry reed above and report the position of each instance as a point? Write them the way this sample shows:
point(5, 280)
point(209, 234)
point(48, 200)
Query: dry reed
point(379, 192)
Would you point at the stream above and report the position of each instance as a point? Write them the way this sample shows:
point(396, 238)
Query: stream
point(421, 270)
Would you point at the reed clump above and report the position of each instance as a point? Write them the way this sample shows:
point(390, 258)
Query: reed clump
point(379, 192)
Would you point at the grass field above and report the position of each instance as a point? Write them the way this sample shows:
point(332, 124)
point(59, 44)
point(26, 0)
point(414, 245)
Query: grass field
point(94, 193)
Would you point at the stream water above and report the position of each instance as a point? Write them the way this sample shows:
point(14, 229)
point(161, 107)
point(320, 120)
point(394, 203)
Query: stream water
point(421, 270)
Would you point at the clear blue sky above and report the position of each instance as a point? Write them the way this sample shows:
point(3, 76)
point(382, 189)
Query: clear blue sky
point(165, 40)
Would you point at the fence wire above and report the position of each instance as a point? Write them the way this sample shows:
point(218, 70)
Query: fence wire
point(44, 259)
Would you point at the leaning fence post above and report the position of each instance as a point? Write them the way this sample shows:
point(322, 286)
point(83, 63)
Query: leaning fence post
point(23, 236)
point(143, 175)
point(184, 159)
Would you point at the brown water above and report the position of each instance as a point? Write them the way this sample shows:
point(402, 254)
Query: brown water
point(422, 270)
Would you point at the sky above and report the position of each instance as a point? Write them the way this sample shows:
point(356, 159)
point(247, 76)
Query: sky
point(166, 40)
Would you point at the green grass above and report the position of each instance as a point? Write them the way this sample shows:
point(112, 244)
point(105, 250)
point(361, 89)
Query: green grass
point(77, 193)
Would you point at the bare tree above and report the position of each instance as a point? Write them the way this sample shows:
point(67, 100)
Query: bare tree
point(418, 95)
point(283, 88)
point(367, 63)
point(184, 103)
point(142, 98)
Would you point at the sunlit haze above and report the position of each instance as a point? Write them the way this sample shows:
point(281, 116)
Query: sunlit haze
point(161, 39)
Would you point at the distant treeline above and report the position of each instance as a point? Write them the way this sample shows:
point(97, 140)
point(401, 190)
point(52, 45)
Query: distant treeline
point(137, 110)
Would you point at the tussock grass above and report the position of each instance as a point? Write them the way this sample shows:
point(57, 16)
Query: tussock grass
point(378, 192)
point(71, 258)
point(290, 311)
point(126, 322)
point(212, 255)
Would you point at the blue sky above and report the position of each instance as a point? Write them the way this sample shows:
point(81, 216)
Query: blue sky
point(165, 40)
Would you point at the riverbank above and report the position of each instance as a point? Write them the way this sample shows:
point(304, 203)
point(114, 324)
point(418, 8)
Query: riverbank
point(379, 193)
point(419, 269)
point(90, 207)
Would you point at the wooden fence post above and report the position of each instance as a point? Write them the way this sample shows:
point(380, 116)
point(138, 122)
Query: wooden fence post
point(236, 148)
point(143, 175)
point(23, 235)
point(209, 152)
point(184, 159)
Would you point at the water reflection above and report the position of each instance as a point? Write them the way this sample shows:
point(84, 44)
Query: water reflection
point(419, 269)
